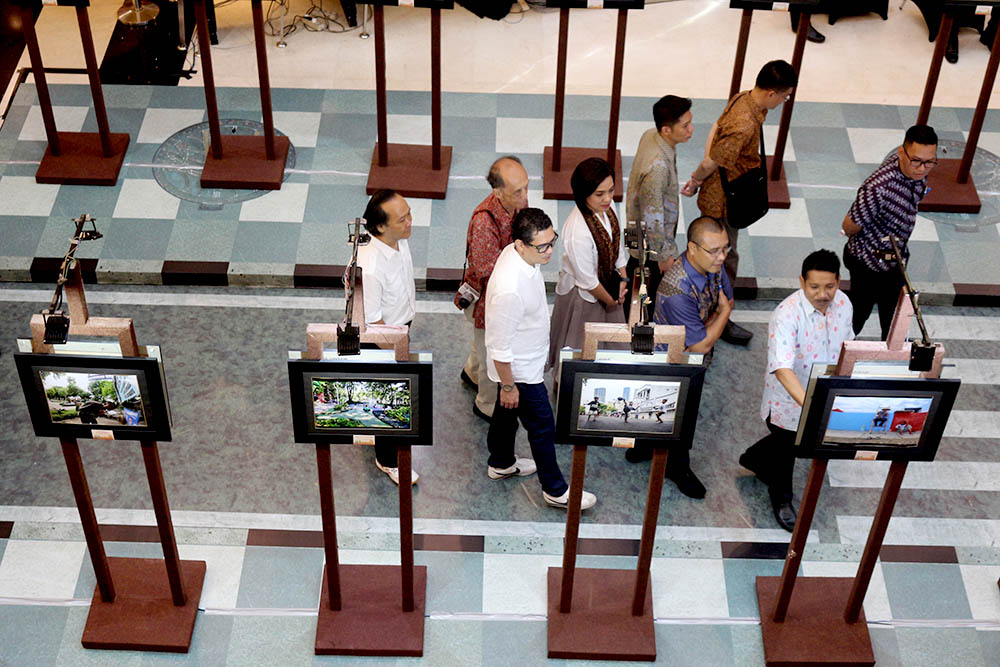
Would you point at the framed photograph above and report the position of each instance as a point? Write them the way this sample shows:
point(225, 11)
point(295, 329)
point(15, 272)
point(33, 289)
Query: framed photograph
point(648, 403)
point(334, 400)
point(898, 419)
point(86, 396)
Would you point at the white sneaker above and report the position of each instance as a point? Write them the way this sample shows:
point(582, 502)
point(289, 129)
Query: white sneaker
point(521, 468)
point(393, 473)
point(586, 502)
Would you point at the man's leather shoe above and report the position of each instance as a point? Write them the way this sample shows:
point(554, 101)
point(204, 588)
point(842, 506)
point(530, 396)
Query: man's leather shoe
point(468, 381)
point(638, 455)
point(815, 35)
point(688, 484)
point(482, 415)
point(734, 334)
point(951, 51)
point(785, 513)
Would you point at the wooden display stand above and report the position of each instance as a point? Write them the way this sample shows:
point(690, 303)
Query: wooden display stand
point(952, 189)
point(75, 158)
point(558, 161)
point(240, 161)
point(777, 184)
point(142, 604)
point(591, 614)
point(811, 629)
point(412, 170)
point(368, 609)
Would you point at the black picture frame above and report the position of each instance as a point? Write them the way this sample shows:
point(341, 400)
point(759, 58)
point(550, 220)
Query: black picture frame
point(688, 379)
point(910, 430)
point(154, 408)
point(416, 374)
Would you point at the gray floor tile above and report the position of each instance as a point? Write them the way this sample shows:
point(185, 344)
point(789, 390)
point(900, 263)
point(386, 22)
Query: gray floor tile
point(775, 257)
point(694, 645)
point(469, 104)
point(741, 583)
point(210, 644)
point(821, 144)
point(137, 239)
point(266, 242)
point(280, 577)
point(927, 647)
point(31, 634)
point(19, 236)
point(873, 115)
point(207, 243)
point(127, 97)
point(925, 590)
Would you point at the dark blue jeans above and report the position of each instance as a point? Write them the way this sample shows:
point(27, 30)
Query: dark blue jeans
point(535, 412)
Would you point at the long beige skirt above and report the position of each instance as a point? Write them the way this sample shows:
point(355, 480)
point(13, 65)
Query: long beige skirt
point(569, 315)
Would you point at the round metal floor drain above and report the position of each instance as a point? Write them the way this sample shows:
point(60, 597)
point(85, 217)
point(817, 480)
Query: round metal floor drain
point(179, 159)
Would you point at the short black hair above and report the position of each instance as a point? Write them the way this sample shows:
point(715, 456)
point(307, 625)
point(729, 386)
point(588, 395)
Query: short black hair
point(921, 134)
point(669, 109)
point(702, 224)
point(528, 222)
point(777, 75)
point(493, 175)
point(821, 260)
point(375, 215)
point(586, 178)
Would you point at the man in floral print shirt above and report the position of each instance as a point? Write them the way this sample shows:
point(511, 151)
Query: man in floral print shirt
point(809, 327)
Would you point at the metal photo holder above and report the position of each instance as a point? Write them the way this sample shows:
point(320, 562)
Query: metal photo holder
point(142, 604)
point(241, 161)
point(952, 189)
point(559, 161)
point(777, 184)
point(74, 158)
point(368, 609)
point(811, 629)
point(600, 614)
point(412, 170)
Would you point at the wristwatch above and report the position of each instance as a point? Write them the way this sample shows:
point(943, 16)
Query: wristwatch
point(507, 387)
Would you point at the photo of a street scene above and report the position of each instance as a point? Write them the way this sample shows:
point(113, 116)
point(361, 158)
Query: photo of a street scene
point(100, 399)
point(347, 404)
point(638, 406)
point(876, 421)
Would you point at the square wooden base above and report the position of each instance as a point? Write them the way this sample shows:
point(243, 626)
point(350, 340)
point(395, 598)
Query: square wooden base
point(371, 620)
point(600, 625)
point(814, 631)
point(81, 160)
point(409, 171)
point(555, 184)
point(777, 191)
point(947, 194)
point(244, 164)
point(143, 616)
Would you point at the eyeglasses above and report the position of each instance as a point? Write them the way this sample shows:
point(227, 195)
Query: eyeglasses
point(916, 163)
point(545, 247)
point(715, 252)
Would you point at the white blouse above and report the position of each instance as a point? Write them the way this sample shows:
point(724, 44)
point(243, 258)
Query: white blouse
point(578, 266)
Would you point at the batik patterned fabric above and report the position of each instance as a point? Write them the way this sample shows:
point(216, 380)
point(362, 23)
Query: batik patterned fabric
point(799, 336)
point(489, 233)
point(886, 205)
point(686, 297)
point(653, 195)
point(735, 148)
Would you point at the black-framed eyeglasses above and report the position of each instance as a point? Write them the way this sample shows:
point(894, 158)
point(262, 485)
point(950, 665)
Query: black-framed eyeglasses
point(715, 252)
point(545, 247)
point(916, 163)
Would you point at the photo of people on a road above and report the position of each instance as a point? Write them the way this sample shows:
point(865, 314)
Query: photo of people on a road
point(640, 406)
point(99, 399)
point(353, 404)
point(876, 420)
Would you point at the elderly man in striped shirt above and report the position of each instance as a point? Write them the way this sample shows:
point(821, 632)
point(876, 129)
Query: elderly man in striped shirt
point(886, 206)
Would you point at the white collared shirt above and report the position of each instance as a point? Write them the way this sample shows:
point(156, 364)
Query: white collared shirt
point(387, 277)
point(799, 336)
point(578, 265)
point(517, 318)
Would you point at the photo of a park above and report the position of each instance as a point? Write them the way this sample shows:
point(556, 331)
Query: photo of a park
point(99, 399)
point(876, 421)
point(639, 406)
point(353, 404)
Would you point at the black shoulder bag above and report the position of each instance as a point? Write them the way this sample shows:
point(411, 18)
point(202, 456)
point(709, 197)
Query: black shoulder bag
point(746, 195)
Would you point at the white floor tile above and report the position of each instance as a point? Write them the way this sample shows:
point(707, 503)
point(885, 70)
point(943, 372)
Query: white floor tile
point(68, 119)
point(791, 222)
point(982, 591)
point(520, 136)
point(771, 138)
point(22, 196)
point(629, 133)
point(302, 127)
point(941, 475)
point(224, 567)
point(933, 531)
point(876, 603)
point(285, 205)
point(420, 209)
point(160, 124)
point(551, 208)
point(144, 198)
point(688, 588)
point(924, 230)
point(871, 145)
point(408, 129)
point(516, 583)
point(40, 569)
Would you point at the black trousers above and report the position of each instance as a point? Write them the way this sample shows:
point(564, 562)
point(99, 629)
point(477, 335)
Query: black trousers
point(655, 275)
point(773, 456)
point(869, 288)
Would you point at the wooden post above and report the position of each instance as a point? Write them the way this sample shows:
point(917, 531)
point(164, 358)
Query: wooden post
point(161, 508)
point(616, 89)
point(798, 544)
point(41, 86)
point(656, 472)
point(405, 463)
point(88, 518)
point(211, 104)
point(329, 515)
point(557, 116)
point(264, 78)
point(777, 163)
point(980, 115)
point(100, 111)
point(380, 104)
point(436, 88)
point(741, 52)
point(572, 527)
point(935, 69)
